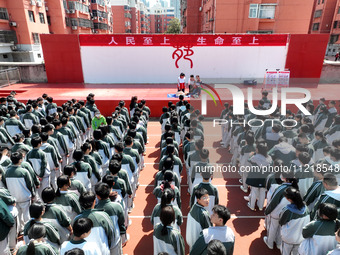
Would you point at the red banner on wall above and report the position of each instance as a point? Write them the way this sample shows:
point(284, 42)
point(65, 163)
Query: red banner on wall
point(116, 40)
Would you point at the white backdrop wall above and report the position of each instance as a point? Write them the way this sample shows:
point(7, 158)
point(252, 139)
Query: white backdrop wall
point(154, 64)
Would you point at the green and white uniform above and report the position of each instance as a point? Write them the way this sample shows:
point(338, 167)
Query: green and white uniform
point(156, 213)
point(172, 243)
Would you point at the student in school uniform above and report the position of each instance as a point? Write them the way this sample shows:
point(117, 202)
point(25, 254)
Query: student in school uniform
point(331, 194)
point(336, 251)
point(198, 217)
point(257, 179)
point(319, 235)
point(6, 223)
point(321, 119)
point(52, 236)
point(166, 165)
point(319, 143)
point(219, 231)
point(68, 200)
point(168, 184)
point(116, 213)
point(283, 151)
point(101, 232)
point(293, 218)
point(76, 186)
point(165, 237)
point(84, 170)
point(167, 199)
point(81, 230)
point(274, 208)
point(37, 244)
point(304, 173)
point(181, 82)
point(334, 130)
point(315, 190)
point(212, 191)
point(55, 214)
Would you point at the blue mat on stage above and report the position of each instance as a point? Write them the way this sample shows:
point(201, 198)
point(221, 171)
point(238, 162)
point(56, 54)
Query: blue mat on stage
point(174, 96)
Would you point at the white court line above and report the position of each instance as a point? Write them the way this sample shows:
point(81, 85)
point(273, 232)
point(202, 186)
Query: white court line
point(233, 216)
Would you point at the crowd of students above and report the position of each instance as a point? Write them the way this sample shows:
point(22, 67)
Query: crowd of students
point(68, 175)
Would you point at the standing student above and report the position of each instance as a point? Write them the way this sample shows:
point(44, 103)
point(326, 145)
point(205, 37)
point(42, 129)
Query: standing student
point(68, 200)
point(216, 247)
point(116, 213)
point(165, 238)
point(337, 250)
point(52, 235)
point(293, 218)
point(319, 234)
point(274, 208)
point(55, 214)
point(38, 159)
point(219, 232)
point(76, 185)
point(198, 217)
point(20, 185)
point(81, 230)
point(167, 199)
point(6, 222)
point(37, 244)
point(256, 179)
point(101, 232)
point(181, 82)
point(84, 170)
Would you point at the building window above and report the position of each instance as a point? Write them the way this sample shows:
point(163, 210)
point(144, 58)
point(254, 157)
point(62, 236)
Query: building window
point(339, 10)
point(323, 1)
point(318, 1)
point(317, 13)
point(3, 13)
point(31, 16)
point(253, 8)
point(5, 56)
point(36, 39)
point(267, 11)
point(42, 18)
point(315, 26)
point(49, 20)
point(39, 55)
point(335, 24)
point(333, 39)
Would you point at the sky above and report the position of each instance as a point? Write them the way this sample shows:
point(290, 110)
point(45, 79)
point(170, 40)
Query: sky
point(152, 2)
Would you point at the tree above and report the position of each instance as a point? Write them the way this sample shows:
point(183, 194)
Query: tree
point(174, 27)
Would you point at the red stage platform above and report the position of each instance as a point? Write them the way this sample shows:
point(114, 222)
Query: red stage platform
point(107, 96)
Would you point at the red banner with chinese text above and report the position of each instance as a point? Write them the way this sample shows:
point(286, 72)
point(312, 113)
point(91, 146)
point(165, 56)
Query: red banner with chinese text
point(187, 40)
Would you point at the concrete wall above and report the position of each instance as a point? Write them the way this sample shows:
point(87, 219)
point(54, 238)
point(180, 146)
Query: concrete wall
point(33, 74)
point(330, 73)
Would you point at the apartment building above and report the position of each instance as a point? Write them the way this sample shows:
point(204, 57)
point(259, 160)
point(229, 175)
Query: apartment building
point(160, 18)
point(326, 19)
point(246, 16)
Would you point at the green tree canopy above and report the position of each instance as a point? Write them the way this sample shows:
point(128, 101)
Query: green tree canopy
point(174, 27)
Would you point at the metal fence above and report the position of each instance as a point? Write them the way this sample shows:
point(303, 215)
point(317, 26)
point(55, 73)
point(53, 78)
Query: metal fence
point(9, 76)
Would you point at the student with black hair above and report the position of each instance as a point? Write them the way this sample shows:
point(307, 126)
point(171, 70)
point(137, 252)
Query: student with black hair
point(37, 244)
point(304, 173)
point(212, 191)
point(216, 247)
point(5, 161)
point(198, 217)
point(13, 125)
point(331, 194)
point(319, 143)
point(167, 199)
point(4, 132)
point(246, 151)
point(196, 170)
point(319, 234)
point(257, 178)
point(52, 237)
point(76, 186)
point(38, 159)
point(20, 185)
point(194, 157)
point(274, 208)
point(116, 213)
point(165, 237)
point(119, 184)
point(219, 231)
point(293, 218)
point(334, 130)
point(97, 171)
point(321, 119)
point(113, 132)
point(128, 150)
point(167, 164)
point(29, 119)
point(102, 148)
point(84, 170)
point(19, 144)
point(52, 158)
point(68, 200)
point(168, 184)
point(55, 214)
point(315, 190)
point(108, 139)
point(177, 163)
point(283, 151)
point(68, 138)
point(81, 230)
point(101, 232)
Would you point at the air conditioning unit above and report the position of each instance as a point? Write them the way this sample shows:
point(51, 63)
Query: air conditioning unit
point(46, 8)
point(13, 24)
point(200, 9)
point(32, 2)
point(39, 4)
point(74, 27)
point(14, 48)
point(72, 11)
